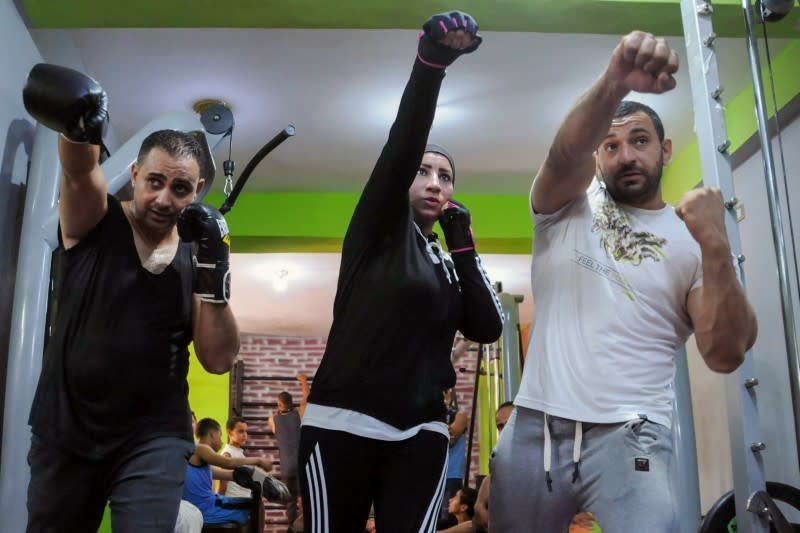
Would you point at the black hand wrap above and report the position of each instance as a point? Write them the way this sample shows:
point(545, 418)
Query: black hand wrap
point(68, 102)
point(206, 228)
point(434, 54)
point(456, 226)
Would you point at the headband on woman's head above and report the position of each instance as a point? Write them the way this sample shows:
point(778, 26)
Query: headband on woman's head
point(435, 148)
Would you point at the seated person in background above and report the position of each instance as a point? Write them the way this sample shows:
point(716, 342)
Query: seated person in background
point(462, 506)
point(298, 524)
point(370, 527)
point(237, 437)
point(456, 454)
point(190, 519)
point(198, 489)
point(584, 523)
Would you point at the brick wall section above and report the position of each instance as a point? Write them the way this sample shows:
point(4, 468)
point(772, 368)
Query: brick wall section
point(286, 357)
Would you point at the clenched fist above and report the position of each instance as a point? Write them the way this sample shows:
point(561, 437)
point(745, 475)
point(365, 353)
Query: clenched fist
point(643, 63)
point(703, 212)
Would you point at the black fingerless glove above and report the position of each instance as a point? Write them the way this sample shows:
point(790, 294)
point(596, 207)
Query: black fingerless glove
point(431, 52)
point(456, 226)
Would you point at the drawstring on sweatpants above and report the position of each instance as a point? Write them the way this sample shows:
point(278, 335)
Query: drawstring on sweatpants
point(548, 452)
point(576, 450)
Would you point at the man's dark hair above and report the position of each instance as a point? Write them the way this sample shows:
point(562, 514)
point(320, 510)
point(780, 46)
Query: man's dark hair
point(206, 426)
point(286, 398)
point(468, 497)
point(177, 144)
point(232, 421)
point(629, 107)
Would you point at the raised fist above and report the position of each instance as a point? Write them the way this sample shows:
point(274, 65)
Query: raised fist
point(643, 63)
point(206, 227)
point(68, 102)
point(446, 36)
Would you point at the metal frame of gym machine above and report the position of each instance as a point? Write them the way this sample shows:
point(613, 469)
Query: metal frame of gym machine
point(754, 507)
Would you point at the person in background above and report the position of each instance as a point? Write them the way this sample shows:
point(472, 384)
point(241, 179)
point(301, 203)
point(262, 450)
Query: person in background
point(205, 465)
point(457, 423)
point(462, 507)
point(236, 428)
point(285, 425)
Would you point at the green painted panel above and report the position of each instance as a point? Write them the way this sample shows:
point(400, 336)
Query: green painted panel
point(326, 215)
point(208, 393)
point(289, 214)
point(548, 16)
point(682, 175)
point(261, 245)
point(740, 112)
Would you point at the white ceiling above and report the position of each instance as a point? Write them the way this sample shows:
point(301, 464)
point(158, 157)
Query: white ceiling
point(498, 108)
point(498, 111)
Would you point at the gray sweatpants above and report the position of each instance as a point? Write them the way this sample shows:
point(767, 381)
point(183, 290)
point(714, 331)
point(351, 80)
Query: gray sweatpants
point(143, 483)
point(623, 476)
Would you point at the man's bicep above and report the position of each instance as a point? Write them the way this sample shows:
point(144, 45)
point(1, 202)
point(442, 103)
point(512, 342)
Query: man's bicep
point(556, 186)
point(82, 205)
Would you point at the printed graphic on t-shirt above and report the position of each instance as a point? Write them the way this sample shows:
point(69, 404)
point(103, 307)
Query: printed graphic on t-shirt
point(609, 272)
point(621, 244)
point(620, 241)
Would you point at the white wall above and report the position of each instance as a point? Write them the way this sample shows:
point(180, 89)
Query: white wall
point(773, 393)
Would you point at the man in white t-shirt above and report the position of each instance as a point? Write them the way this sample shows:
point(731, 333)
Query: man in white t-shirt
point(620, 280)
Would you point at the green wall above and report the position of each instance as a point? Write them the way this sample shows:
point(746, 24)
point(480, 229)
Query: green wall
point(317, 222)
point(208, 393)
point(613, 17)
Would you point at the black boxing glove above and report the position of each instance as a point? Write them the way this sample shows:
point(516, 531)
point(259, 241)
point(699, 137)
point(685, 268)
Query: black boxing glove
point(456, 226)
point(206, 228)
point(68, 102)
point(429, 49)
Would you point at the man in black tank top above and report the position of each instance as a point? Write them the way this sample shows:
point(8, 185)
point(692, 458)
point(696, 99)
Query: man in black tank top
point(110, 419)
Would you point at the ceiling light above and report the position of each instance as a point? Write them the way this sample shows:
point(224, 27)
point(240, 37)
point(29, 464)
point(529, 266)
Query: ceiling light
point(281, 282)
point(203, 104)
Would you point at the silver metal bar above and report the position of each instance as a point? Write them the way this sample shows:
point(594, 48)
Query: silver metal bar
point(489, 414)
point(776, 218)
point(712, 137)
point(27, 324)
point(496, 369)
point(511, 348)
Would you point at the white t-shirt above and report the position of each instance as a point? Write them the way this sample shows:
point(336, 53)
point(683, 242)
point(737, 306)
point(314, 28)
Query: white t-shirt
point(610, 286)
point(233, 489)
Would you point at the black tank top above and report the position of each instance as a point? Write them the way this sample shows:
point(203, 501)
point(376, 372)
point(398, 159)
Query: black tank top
point(114, 371)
